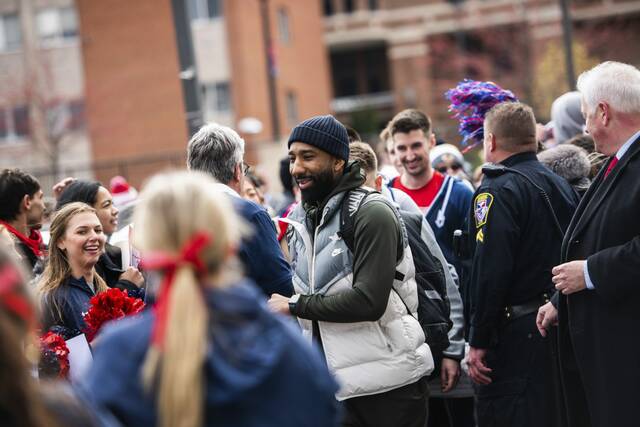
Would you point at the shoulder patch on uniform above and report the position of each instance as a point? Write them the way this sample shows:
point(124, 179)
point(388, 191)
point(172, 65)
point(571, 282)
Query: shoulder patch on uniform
point(480, 236)
point(481, 206)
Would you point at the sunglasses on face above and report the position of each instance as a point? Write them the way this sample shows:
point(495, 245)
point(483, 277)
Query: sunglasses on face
point(443, 168)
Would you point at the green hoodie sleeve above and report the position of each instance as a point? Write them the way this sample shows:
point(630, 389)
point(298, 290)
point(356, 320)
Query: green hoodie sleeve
point(377, 243)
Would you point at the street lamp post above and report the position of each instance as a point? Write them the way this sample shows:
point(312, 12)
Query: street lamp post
point(270, 61)
point(567, 37)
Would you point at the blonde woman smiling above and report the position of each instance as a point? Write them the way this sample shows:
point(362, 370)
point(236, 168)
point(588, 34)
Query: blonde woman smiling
point(69, 279)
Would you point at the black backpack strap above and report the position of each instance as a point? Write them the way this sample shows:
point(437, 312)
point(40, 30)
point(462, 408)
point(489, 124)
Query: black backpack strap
point(351, 204)
point(353, 201)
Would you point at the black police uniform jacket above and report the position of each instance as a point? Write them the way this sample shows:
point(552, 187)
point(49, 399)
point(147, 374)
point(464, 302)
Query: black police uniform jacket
point(598, 330)
point(517, 243)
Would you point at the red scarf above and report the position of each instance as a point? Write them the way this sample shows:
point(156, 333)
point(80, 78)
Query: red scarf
point(15, 302)
point(33, 242)
point(189, 255)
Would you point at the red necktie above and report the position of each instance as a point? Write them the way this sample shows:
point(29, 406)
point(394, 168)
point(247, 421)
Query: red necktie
point(613, 163)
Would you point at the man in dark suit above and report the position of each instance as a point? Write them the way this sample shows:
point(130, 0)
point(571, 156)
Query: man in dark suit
point(599, 281)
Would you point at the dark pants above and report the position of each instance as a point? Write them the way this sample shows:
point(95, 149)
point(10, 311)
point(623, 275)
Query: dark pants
point(403, 407)
point(451, 412)
point(522, 391)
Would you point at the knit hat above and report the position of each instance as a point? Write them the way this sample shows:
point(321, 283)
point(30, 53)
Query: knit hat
point(123, 194)
point(439, 151)
point(566, 117)
point(324, 132)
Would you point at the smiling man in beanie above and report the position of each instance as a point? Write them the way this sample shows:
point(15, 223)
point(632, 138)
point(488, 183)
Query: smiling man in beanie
point(354, 304)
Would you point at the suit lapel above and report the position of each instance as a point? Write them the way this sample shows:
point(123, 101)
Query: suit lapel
point(601, 188)
point(575, 219)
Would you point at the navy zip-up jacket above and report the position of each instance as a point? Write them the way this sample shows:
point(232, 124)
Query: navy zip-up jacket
point(260, 253)
point(66, 305)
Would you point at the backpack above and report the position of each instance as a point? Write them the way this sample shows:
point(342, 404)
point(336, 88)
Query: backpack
point(433, 303)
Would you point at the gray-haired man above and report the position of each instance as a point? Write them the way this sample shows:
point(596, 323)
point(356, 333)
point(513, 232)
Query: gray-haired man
point(219, 151)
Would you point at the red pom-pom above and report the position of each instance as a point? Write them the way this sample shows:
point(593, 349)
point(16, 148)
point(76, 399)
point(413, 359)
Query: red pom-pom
point(56, 344)
point(111, 304)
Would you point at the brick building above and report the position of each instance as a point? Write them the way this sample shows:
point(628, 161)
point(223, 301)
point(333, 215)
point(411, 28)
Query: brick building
point(136, 76)
point(387, 55)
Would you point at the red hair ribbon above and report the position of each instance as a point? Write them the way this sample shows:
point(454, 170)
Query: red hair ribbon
point(9, 281)
point(189, 255)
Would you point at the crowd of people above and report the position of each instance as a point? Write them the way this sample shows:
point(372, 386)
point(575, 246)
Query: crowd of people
point(389, 287)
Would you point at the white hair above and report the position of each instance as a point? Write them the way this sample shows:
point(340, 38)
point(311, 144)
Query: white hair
point(216, 150)
point(615, 83)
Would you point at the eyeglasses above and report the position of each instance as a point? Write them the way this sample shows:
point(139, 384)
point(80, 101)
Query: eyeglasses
point(245, 168)
point(443, 169)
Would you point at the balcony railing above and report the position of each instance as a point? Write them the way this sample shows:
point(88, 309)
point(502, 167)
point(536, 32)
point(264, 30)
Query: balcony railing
point(348, 104)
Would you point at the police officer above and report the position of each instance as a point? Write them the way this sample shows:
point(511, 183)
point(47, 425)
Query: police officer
point(518, 216)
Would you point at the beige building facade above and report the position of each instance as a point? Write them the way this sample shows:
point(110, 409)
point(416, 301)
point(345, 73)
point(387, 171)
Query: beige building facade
point(42, 107)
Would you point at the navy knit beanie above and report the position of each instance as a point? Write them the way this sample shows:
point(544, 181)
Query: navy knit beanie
point(324, 132)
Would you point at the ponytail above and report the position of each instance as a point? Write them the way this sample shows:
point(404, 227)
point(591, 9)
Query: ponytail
point(180, 362)
point(187, 233)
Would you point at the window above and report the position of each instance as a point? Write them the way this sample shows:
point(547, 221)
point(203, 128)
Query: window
point(361, 71)
point(69, 23)
point(14, 122)
point(348, 6)
point(283, 25)
point(327, 7)
point(21, 120)
point(292, 108)
point(4, 124)
point(204, 9)
point(10, 36)
point(223, 97)
point(64, 116)
point(76, 110)
point(217, 97)
point(57, 24)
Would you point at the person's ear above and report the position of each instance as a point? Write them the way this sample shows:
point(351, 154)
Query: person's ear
point(338, 166)
point(432, 141)
point(492, 143)
point(378, 182)
point(237, 172)
point(605, 113)
point(25, 204)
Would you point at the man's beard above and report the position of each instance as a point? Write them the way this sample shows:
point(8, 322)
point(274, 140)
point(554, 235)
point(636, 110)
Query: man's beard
point(323, 184)
point(416, 171)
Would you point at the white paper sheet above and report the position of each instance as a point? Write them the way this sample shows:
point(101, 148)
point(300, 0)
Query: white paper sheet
point(80, 357)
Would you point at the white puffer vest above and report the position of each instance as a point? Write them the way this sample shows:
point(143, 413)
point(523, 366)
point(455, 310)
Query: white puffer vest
point(366, 357)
